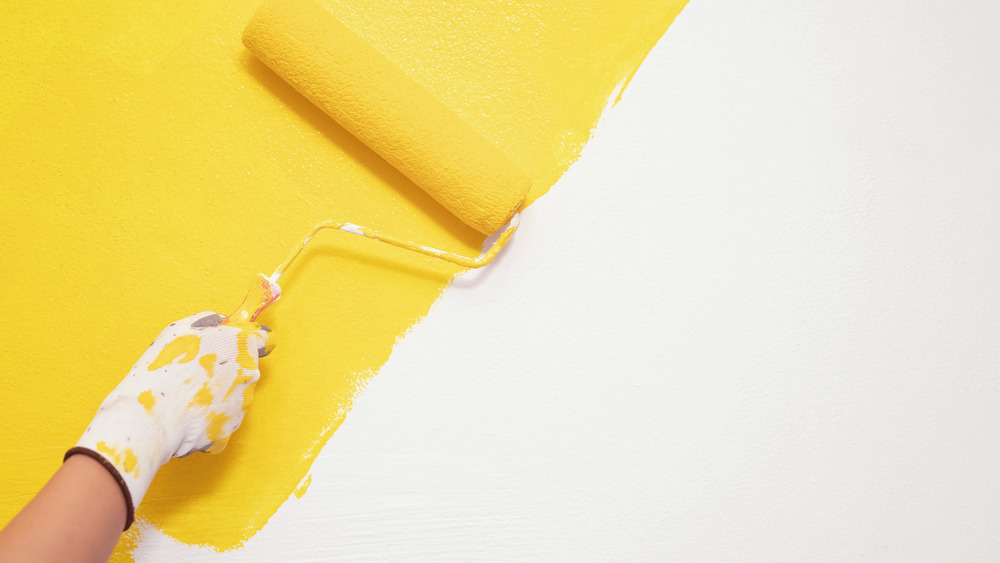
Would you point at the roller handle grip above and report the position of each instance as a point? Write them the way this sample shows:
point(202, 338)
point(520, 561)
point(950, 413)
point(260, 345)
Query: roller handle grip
point(262, 293)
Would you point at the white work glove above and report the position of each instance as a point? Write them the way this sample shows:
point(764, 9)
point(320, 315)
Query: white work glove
point(188, 392)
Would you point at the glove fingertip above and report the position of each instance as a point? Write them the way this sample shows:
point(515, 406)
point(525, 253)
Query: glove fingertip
point(267, 341)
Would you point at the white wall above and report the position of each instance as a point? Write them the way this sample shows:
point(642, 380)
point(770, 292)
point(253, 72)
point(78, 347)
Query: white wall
point(758, 320)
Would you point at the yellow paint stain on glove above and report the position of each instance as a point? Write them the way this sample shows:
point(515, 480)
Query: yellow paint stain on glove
point(241, 379)
point(202, 398)
point(184, 166)
point(125, 460)
point(208, 362)
point(183, 349)
point(147, 400)
point(243, 357)
point(215, 422)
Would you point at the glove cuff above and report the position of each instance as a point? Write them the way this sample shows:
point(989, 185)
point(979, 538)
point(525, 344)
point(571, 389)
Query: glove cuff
point(128, 442)
point(129, 507)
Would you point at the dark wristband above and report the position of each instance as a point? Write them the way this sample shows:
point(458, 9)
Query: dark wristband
point(129, 509)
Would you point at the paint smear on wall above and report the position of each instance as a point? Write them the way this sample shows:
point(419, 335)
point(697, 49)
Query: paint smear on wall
point(151, 166)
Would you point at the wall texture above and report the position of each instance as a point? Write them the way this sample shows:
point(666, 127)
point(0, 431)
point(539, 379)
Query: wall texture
point(756, 321)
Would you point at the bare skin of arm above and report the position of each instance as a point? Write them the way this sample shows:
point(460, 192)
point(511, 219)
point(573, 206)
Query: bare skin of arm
point(78, 516)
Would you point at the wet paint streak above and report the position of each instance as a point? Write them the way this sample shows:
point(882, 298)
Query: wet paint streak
point(207, 168)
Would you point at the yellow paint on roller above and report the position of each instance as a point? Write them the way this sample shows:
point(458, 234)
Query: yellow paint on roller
point(184, 165)
point(147, 400)
point(388, 111)
point(183, 349)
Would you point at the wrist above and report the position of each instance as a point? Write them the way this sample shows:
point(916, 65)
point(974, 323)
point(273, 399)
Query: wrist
point(112, 472)
point(130, 444)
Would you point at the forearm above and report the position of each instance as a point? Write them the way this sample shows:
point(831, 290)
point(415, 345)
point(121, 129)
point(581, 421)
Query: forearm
point(77, 516)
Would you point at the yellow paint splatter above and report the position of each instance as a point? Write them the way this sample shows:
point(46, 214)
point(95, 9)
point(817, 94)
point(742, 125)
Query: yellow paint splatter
point(243, 357)
point(104, 449)
point(215, 422)
point(202, 398)
point(147, 400)
point(207, 167)
point(208, 362)
point(183, 349)
point(125, 461)
point(130, 462)
point(240, 379)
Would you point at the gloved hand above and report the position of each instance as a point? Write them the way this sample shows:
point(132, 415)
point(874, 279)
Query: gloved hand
point(188, 392)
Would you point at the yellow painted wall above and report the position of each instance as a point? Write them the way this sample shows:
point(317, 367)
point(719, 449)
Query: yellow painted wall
point(151, 165)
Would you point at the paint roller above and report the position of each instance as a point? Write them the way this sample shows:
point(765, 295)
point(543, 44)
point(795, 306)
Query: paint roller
point(396, 117)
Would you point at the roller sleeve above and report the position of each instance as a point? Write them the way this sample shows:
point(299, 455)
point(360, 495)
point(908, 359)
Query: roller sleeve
point(396, 117)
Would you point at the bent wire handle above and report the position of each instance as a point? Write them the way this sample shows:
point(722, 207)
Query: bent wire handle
point(264, 290)
point(373, 234)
